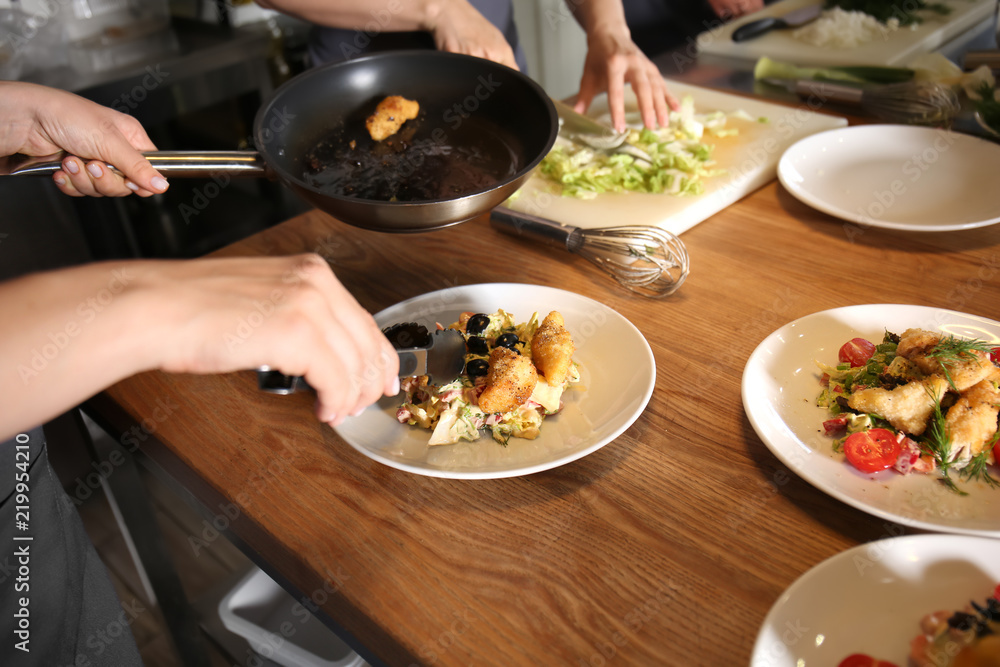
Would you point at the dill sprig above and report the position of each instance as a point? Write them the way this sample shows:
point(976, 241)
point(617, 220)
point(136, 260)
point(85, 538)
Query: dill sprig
point(977, 470)
point(949, 483)
point(953, 350)
point(937, 443)
point(988, 106)
point(937, 440)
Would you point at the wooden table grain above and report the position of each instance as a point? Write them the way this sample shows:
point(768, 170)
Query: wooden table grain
point(666, 547)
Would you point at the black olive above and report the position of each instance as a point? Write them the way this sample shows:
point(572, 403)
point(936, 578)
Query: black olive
point(477, 368)
point(508, 340)
point(477, 324)
point(477, 345)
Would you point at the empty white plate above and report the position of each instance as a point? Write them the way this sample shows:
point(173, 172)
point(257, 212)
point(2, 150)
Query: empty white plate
point(896, 177)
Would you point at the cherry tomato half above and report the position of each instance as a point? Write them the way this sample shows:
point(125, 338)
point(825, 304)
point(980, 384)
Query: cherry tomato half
point(856, 352)
point(872, 450)
point(862, 660)
point(995, 355)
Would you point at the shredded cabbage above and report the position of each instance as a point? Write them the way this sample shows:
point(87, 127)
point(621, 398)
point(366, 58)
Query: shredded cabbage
point(679, 160)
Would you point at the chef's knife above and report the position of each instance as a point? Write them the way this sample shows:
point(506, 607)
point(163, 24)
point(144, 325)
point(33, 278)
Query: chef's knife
point(794, 19)
point(440, 355)
point(584, 129)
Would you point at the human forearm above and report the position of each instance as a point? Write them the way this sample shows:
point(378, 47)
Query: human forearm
point(600, 17)
point(381, 15)
point(64, 337)
point(455, 25)
point(68, 334)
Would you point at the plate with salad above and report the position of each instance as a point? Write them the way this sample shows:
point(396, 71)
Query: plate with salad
point(874, 600)
point(904, 474)
point(613, 379)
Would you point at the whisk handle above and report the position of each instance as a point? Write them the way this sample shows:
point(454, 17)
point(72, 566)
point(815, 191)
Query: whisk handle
point(525, 224)
point(829, 92)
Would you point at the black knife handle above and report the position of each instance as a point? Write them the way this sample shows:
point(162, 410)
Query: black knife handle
point(757, 28)
point(276, 382)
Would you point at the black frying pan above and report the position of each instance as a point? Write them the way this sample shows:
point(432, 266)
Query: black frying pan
point(482, 128)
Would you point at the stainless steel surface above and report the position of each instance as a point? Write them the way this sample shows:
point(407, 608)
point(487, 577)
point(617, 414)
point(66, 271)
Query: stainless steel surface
point(645, 259)
point(184, 164)
point(214, 64)
point(443, 360)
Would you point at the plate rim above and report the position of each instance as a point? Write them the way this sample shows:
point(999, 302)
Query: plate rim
point(808, 474)
point(796, 190)
point(627, 422)
point(924, 542)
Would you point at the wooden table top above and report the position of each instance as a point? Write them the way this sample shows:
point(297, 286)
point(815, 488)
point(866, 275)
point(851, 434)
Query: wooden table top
point(668, 546)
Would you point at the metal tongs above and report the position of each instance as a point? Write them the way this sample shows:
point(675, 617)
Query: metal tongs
point(440, 355)
point(588, 132)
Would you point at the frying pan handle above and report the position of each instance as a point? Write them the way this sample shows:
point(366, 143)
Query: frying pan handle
point(182, 164)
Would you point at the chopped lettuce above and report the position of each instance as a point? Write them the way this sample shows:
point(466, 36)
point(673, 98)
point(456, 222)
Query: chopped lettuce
point(678, 159)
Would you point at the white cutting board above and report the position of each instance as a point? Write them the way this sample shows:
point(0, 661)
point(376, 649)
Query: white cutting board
point(750, 160)
point(895, 48)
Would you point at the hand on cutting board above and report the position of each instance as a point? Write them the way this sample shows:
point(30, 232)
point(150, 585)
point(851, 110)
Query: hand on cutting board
point(68, 334)
point(728, 9)
point(613, 60)
point(37, 120)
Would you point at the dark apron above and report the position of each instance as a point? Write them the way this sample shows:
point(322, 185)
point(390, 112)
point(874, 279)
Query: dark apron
point(57, 604)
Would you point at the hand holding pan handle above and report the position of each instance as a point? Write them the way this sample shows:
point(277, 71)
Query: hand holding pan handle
point(194, 164)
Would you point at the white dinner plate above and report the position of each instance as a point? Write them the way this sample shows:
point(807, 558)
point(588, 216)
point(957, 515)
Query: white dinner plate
point(896, 176)
point(870, 599)
point(780, 387)
point(617, 377)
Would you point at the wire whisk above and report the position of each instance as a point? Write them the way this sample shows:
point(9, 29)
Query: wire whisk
point(913, 102)
point(645, 259)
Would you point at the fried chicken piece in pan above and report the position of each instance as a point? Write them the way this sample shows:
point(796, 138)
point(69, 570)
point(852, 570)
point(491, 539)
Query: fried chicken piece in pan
point(552, 349)
point(389, 116)
point(509, 382)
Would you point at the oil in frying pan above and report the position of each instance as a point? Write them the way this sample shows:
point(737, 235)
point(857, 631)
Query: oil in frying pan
point(418, 163)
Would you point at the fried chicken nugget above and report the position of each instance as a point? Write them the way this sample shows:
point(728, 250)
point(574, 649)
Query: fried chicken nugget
point(552, 349)
point(972, 421)
point(907, 407)
point(914, 344)
point(389, 116)
point(509, 382)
